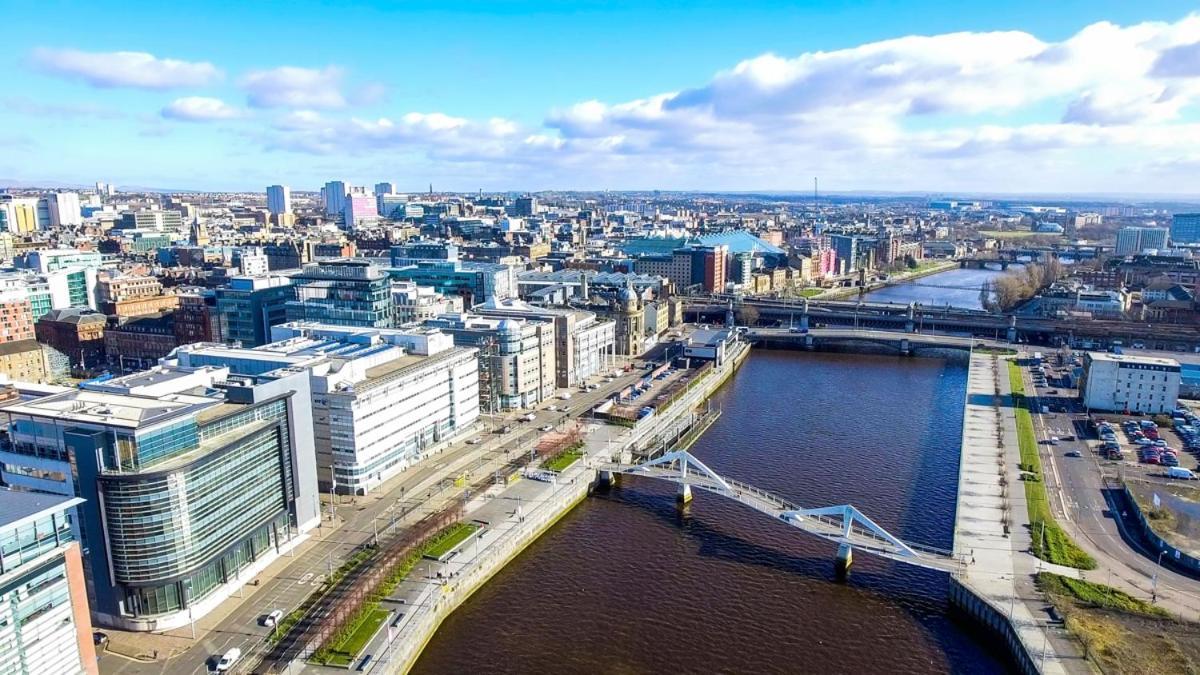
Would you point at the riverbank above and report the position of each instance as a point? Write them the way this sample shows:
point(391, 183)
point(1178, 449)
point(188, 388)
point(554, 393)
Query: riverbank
point(517, 514)
point(893, 280)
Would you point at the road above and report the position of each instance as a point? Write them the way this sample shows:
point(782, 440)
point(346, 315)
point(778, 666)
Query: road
point(414, 493)
point(1087, 510)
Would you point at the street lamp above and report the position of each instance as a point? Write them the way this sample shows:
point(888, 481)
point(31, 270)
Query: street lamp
point(1154, 581)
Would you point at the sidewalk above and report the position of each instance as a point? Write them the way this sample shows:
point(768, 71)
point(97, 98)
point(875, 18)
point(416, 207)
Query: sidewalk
point(990, 495)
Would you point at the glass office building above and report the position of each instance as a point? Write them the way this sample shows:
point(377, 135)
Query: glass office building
point(346, 292)
point(186, 493)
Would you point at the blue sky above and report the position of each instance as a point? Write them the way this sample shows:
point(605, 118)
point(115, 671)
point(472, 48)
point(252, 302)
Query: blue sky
point(619, 95)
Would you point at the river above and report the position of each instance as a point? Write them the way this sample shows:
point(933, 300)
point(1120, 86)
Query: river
point(625, 584)
point(957, 287)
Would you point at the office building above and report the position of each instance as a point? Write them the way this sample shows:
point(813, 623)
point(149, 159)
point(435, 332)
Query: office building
point(53, 260)
point(63, 209)
point(385, 189)
point(1185, 228)
point(525, 207)
point(414, 304)
point(248, 306)
point(1130, 384)
point(516, 360)
point(279, 199)
point(359, 209)
point(423, 250)
point(194, 480)
point(688, 267)
point(392, 206)
point(196, 318)
point(334, 194)
point(139, 342)
point(18, 215)
point(347, 292)
point(130, 295)
point(44, 622)
point(152, 220)
point(584, 345)
point(475, 282)
point(1134, 240)
point(383, 399)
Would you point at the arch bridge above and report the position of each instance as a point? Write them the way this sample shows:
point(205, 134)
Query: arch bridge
point(843, 525)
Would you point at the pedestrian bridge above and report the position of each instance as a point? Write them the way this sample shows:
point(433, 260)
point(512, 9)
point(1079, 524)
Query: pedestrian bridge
point(844, 525)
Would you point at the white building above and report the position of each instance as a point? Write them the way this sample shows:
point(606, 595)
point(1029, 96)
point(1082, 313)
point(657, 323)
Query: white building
point(584, 344)
point(279, 199)
point(414, 304)
point(383, 399)
point(63, 209)
point(517, 357)
point(1120, 383)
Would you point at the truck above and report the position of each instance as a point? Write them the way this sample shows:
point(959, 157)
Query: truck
point(1180, 472)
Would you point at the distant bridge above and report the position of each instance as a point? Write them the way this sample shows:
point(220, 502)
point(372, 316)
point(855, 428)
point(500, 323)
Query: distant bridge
point(843, 525)
point(905, 343)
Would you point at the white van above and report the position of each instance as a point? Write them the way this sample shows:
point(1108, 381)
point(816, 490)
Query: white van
point(1180, 472)
point(231, 657)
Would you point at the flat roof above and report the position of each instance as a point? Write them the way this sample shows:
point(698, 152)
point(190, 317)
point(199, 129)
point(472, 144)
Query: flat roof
point(17, 507)
point(1130, 358)
point(120, 410)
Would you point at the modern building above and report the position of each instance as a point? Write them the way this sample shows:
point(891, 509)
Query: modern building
point(1132, 240)
point(584, 345)
point(359, 209)
point(516, 357)
point(1185, 228)
point(63, 208)
point(154, 220)
point(279, 199)
point(383, 399)
point(188, 494)
point(385, 188)
point(690, 266)
point(334, 194)
point(18, 215)
point(345, 292)
point(45, 625)
point(53, 260)
point(76, 332)
point(475, 282)
point(248, 306)
point(1130, 384)
point(392, 206)
point(414, 304)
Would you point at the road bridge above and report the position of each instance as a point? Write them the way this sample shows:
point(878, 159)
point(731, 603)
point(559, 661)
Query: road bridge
point(904, 343)
point(843, 525)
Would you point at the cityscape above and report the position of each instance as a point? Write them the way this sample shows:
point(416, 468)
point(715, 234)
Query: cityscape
point(738, 348)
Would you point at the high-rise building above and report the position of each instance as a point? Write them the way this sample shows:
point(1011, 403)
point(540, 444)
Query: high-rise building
point(383, 399)
point(1185, 228)
point(279, 199)
point(52, 260)
point(358, 209)
point(63, 208)
point(150, 219)
point(347, 292)
point(334, 193)
point(193, 480)
point(1132, 240)
point(248, 306)
point(525, 206)
point(392, 206)
point(44, 622)
point(18, 215)
point(385, 189)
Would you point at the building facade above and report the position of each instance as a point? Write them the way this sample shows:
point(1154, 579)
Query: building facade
point(186, 495)
point(516, 357)
point(584, 344)
point(1185, 228)
point(345, 292)
point(1135, 384)
point(248, 306)
point(77, 333)
point(44, 622)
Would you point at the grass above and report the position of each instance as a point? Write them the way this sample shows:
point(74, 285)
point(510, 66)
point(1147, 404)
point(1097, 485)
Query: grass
point(343, 651)
point(811, 292)
point(1097, 595)
point(292, 618)
point(1013, 234)
point(448, 539)
point(1050, 542)
point(562, 460)
point(1121, 633)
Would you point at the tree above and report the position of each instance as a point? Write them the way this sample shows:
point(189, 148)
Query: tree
point(1010, 290)
point(911, 262)
point(749, 315)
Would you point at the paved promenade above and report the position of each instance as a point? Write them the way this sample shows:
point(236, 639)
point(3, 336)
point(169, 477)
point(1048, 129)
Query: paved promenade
point(991, 494)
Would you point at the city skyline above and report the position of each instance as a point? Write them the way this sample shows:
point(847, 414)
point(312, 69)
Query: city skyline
point(1078, 98)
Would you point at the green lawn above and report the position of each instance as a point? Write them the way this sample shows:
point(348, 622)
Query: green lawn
point(344, 650)
point(562, 460)
point(449, 538)
point(1097, 595)
point(811, 292)
point(1050, 542)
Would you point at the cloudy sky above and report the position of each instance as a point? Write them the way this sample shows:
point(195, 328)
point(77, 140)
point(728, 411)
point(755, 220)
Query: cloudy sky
point(1062, 97)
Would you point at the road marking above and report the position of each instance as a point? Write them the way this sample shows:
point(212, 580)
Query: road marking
point(305, 579)
point(319, 580)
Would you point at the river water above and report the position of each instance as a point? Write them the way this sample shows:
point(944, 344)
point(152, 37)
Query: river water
point(626, 584)
point(957, 288)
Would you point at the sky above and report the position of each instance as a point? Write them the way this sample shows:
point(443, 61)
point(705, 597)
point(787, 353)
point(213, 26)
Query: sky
point(922, 96)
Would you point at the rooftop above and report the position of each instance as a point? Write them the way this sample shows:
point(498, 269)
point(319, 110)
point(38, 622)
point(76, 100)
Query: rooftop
point(119, 410)
point(1129, 358)
point(17, 507)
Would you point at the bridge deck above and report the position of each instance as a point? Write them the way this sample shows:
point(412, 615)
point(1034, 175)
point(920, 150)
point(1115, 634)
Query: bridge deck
point(842, 525)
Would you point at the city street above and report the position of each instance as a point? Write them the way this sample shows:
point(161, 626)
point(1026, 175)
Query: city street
point(1086, 509)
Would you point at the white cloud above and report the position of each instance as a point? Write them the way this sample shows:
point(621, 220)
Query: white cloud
point(200, 109)
point(294, 87)
point(124, 69)
point(998, 110)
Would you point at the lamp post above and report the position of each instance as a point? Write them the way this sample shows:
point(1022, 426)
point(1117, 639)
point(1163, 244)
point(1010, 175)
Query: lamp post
point(1154, 580)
